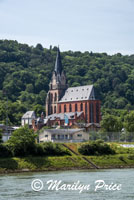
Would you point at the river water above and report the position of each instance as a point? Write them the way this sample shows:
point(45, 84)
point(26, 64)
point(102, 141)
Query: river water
point(18, 186)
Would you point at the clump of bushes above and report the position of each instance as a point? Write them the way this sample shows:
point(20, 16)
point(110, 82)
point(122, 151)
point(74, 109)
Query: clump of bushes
point(50, 149)
point(131, 157)
point(44, 149)
point(54, 149)
point(5, 151)
point(96, 148)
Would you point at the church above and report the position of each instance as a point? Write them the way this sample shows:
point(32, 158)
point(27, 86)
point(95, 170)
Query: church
point(77, 104)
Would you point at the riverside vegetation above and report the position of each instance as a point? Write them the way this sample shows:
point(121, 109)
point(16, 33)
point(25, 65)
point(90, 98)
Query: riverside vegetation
point(22, 153)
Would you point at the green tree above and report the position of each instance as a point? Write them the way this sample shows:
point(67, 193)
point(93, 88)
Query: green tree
point(22, 141)
point(129, 126)
point(111, 126)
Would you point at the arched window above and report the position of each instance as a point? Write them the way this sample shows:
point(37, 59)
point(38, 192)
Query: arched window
point(65, 108)
point(91, 113)
point(97, 113)
point(55, 97)
point(51, 98)
point(75, 107)
point(70, 108)
point(86, 111)
point(81, 106)
point(51, 110)
point(59, 108)
point(54, 109)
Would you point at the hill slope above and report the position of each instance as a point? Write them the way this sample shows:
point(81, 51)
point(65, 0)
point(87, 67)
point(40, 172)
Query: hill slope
point(25, 73)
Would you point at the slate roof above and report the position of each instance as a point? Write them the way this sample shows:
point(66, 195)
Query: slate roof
point(59, 131)
point(58, 64)
point(79, 93)
point(29, 114)
point(86, 125)
point(70, 115)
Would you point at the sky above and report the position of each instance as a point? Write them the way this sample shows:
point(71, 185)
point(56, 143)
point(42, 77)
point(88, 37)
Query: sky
point(77, 25)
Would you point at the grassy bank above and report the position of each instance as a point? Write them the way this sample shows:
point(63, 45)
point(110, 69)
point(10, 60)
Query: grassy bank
point(124, 158)
point(42, 163)
point(64, 163)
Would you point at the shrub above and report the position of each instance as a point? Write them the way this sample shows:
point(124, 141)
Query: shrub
point(38, 151)
point(131, 157)
point(96, 148)
point(122, 158)
point(5, 151)
point(54, 149)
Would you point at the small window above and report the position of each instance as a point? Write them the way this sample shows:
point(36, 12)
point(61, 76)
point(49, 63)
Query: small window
point(46, 135)
point(53, 136)
point(70, 136)
point(79, 135)
point(58, 136)
point(72, 116)
point(62, 137)
point(66, 137)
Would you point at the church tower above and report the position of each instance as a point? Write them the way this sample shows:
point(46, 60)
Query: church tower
point(57, 87)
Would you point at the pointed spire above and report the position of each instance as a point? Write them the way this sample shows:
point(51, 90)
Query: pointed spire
point(58, 64)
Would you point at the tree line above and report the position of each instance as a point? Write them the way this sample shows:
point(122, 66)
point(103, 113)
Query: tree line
point(25, 73)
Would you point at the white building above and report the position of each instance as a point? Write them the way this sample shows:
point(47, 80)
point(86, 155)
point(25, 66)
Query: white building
point(63, 135)
point(27, 118)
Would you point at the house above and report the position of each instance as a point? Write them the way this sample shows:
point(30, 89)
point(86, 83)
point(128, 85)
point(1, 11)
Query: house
point(27, 118)
point(7, 131)
point(63, 135)
point(59, 118)
point(39, 122)
point(61, 99)
point(87, 126)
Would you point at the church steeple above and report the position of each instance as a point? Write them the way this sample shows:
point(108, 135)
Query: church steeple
point(58, 64)
point(57, 86)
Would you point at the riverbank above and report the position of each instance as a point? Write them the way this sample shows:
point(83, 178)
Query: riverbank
point(29, 164)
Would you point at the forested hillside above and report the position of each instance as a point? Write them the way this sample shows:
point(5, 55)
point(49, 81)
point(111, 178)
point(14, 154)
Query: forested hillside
point(25, 73)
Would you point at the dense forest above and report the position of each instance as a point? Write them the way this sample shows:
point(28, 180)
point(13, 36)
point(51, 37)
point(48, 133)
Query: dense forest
point(25, 73)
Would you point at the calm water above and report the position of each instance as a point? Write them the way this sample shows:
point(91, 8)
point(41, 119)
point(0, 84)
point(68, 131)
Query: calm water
point(18, 186)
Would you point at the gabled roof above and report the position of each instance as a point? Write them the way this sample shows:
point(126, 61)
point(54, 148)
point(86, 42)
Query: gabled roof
point(70, 115)
point(58, 64)
point(79, 93)
point(59, 131)
point(87, 125)
point(29, 114)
